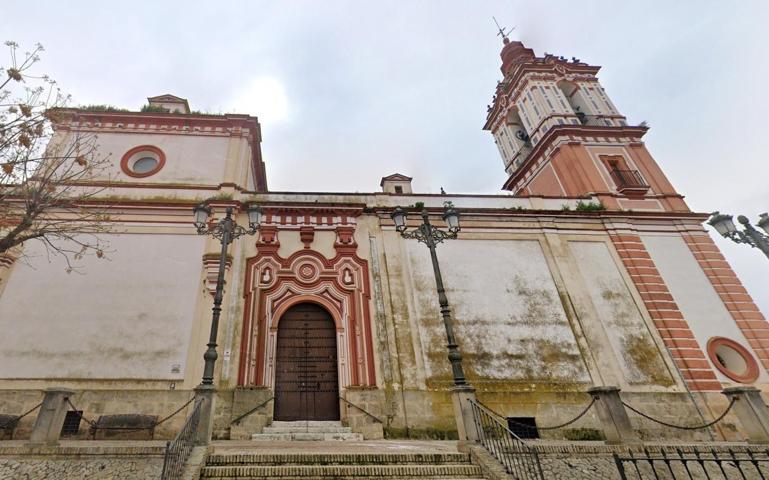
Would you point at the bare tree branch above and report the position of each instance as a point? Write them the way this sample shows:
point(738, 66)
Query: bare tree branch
point(42, 196)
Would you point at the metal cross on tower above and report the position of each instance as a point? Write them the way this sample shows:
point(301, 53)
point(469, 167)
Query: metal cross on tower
point(502, 31)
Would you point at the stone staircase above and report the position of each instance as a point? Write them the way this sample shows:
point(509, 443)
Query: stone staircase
point(340, 466)
point(307, 431)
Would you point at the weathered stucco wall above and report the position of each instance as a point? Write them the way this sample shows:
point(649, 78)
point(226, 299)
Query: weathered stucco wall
point(509, 317)
point(128, 316)
point(633, 346)
point(189, 158)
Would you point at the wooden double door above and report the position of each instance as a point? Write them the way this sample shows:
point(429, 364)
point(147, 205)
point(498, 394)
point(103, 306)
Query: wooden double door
point(306, 374)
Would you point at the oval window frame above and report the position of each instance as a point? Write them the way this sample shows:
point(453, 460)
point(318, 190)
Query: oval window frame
point(138, 152)
point(751, 373)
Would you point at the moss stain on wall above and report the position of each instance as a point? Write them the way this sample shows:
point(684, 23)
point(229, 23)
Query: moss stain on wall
point(646, 358)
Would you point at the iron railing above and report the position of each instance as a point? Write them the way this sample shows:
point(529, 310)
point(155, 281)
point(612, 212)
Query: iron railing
point(376, 419)
point(519, 460)
point(242, 416)
point(628, 179)
point(695, 463)
point(178, 450)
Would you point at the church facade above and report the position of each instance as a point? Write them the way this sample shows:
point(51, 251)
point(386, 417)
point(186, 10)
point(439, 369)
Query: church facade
point(593, 272)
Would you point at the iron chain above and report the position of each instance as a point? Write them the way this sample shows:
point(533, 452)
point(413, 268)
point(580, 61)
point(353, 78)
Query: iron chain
point(554, 427)
point(683, 427)
point(153, 425)
point(16, 420)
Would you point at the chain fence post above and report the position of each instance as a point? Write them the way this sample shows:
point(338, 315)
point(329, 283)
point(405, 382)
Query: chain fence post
point(50, 417)
point(461, 396)
point(205, 394)
point(614, 420)
point(752, 412)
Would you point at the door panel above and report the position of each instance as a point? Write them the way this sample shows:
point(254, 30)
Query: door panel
point(306, 383)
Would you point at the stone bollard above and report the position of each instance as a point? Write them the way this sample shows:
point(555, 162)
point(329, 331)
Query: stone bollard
point(206, 394)
point(614, 420)
point(463, 412)
point(50, 417)
point(752, 412)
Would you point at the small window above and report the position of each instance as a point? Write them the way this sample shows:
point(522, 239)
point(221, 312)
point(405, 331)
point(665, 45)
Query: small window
point(71, 423)
point(524, 427)
point(142, 161)
point(398, 189)
point(733, 360)
point(145, 164)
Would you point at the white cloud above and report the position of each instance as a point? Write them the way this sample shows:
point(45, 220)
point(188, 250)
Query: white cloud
point(264, 97)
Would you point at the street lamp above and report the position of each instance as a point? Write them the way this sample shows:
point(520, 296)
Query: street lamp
point(725, 226)
point(431, 236)
point(225, 231)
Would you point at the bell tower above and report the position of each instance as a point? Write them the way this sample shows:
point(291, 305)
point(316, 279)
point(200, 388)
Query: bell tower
point(560, 135)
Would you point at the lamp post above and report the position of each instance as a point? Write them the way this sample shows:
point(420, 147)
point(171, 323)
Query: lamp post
point(463, 395)
point(226, 230)
point(431, 236)
point(725, 226)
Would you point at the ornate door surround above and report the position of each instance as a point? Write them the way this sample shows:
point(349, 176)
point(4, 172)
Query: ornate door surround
point(340, 285)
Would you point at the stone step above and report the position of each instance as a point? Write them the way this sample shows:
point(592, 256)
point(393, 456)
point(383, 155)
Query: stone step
point(374, 477)
point(337, 458)
point(341, 471)
point(307, 437)
point(303, 429)
point(308, 423)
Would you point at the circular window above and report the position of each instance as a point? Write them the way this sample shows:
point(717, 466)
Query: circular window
point(144, 165)
point(142, 161)
point(733, 360)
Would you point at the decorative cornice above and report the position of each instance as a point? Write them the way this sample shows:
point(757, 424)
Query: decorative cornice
point(167, 123)
point(319, 217)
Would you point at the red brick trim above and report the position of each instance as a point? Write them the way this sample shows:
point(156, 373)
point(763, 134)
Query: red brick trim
point(664, 311)
point(749, 376)
point(142, 148)
point(738, 302)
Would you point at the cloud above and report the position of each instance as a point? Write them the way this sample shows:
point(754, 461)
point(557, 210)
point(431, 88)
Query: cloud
point(264, 97)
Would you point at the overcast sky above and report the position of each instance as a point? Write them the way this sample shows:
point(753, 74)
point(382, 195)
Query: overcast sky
point(348, 92)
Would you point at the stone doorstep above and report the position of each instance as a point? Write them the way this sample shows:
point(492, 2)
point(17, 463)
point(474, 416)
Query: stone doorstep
point(307, 437)
point(367, 446)
point(307, 423)
point(374, 477)
point(337, 471)
point(273, 430)
point(298, 429)
point(338, 458)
